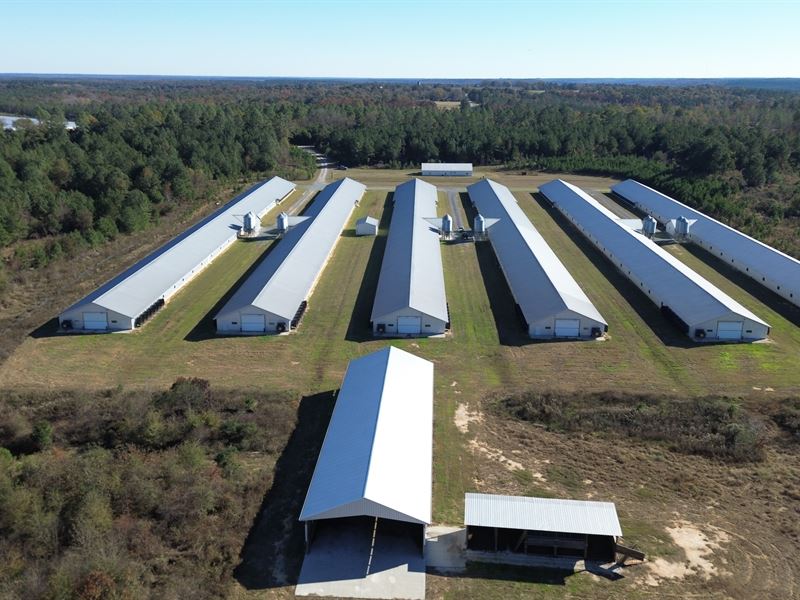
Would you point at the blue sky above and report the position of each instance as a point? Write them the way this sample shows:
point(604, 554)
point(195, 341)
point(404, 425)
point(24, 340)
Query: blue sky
point(403, 39)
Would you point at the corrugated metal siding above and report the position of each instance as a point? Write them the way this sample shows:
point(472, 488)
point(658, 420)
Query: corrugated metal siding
point(287, 275)
point(165, 271)
point(377, 452)
point(770, 267)
point(541, 514)
point(411, 273)
point(540, 283)
point(664, 278)
point(446, 167)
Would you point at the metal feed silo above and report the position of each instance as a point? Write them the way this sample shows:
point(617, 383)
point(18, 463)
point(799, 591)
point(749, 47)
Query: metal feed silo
point(251, 222)
point(649, 226)
point(283, 222)
point(682, 226)
point(447, 226)
point(479, 225)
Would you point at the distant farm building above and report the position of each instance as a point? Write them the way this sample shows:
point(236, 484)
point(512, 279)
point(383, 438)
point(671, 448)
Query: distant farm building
point(375, 463)
point(698, 307)
point(514, 525)
point(770, 267)
point(130, 298)
point(367, 226)
point(275, 295)
point(410, 298)
point(447, 169)
point(550, 300)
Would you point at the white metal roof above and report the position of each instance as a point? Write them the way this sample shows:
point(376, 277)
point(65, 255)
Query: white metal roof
point(139, 287)
point(746, 251)
point(692, 297)
point(286, 276)
point(377, 454)
point(541, 514)
point(446, 166)
point(411, 273)
point(541, 284)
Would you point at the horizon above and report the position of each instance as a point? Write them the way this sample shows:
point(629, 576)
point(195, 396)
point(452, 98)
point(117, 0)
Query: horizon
point(509, 40)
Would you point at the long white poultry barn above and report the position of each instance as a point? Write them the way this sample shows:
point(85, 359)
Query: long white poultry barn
point(446, 169)
point(131, 297)
point(410, 299)
point(552, 302)
point(376, 459)
point(272, 299)
point(768, 266)
point(703, 311)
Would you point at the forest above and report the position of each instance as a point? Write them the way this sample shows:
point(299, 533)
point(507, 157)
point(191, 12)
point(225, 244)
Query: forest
point(133, 494)
point(143, 148)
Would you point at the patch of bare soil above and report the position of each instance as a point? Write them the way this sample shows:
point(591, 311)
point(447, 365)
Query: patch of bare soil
point(697, 545)
point(464, 417)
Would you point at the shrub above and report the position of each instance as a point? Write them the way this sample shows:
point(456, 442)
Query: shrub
point(711, 426)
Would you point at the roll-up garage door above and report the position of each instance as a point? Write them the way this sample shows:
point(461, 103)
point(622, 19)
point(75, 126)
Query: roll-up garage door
point(409, 325)
point(568, 327)
point(95, 320)
point(254, 323)
point(729, 330)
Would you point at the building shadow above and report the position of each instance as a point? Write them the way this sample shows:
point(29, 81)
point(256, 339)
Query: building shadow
point(359, 330)
point(205, 328)
point(527, 574)
point(664, 329)
point(511, 327)
point(273, 551)
point(49, 328)
point(773, 301)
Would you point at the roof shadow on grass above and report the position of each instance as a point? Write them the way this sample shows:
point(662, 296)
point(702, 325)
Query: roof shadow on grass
point(668, 333)
point(359, 330)
point(47, 329)
point(273, 552)
point(205, 328)
point(770, 299)
point(511, 327)
point(515, 573)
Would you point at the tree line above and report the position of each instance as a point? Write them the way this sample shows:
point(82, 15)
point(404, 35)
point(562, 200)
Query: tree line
point(142, 148)
point(125, 166)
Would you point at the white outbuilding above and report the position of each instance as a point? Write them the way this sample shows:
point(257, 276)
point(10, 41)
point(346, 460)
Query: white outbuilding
point(275, 295)
point(410, 299)
point(446, 169)
point(698, 307)
point(512, 525)
point(770, 267)
point(367, 226)
point(131, 297)
point(376, 460)
point(551, 301)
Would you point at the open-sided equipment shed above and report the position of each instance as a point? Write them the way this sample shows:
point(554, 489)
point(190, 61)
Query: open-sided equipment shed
point(376, 458)
point(541, 526)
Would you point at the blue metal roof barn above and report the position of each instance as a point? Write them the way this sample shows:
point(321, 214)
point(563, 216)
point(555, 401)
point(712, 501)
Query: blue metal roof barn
point(122, 303)
point(703, 311)
point(410, 298)
point(552, 302)
point(274, 295)
point(768, 266)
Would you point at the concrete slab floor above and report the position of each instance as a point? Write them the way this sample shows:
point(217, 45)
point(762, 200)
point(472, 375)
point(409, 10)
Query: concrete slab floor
point(444, 548)
point(346, 562)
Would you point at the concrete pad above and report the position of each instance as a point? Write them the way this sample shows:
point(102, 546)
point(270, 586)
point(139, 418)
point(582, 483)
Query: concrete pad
point(344, 562)
point(445, 548)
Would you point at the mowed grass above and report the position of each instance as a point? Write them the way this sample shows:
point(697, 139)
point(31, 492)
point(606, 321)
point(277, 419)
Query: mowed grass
point(514, 179)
